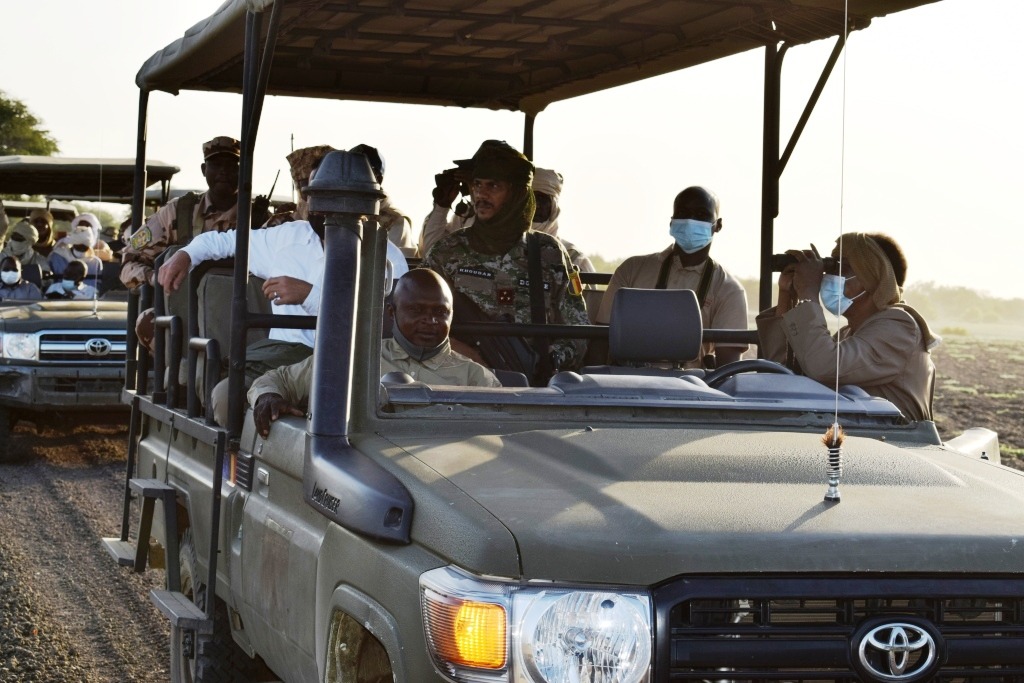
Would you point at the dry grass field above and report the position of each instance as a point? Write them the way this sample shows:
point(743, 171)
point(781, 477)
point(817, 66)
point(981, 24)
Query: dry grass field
point(980, 383)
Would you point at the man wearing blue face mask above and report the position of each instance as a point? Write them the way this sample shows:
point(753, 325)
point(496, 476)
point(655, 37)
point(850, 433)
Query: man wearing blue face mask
point(884, 348)
point(687, 264)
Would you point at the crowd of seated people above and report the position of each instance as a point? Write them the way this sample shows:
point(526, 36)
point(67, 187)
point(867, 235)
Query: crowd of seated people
point(489, 256)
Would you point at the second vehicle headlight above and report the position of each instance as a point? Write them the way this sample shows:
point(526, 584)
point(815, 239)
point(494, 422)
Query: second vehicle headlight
point(492, 630)
point(20, 346)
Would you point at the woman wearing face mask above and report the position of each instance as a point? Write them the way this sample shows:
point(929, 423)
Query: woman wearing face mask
point(79, 245)
point(72, 285)
point(12, 286)
point(884, 347)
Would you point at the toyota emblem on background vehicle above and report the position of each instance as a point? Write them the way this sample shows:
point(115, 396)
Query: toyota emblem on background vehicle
point(897, 652)
point(97, 347)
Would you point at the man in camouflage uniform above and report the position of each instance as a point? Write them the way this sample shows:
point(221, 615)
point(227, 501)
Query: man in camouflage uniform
point(182, 217)
point(488, 262)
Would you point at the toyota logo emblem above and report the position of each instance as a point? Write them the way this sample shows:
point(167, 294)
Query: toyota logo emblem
point(897, 652)
point(97, 347)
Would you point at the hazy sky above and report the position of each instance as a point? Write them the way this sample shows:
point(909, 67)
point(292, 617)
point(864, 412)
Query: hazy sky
point(933, 139)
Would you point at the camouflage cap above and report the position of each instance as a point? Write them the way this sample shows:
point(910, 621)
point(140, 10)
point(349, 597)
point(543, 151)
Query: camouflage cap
point(304, 160)
point(222, 144)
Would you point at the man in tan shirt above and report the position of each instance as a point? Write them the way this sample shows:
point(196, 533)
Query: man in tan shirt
point(215, 209)
point(687, 265)
point(421, 311)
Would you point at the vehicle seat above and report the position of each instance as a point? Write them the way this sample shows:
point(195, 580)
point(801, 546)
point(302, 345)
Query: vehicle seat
point(652, 326)
point(511, 378)
point(34, 274)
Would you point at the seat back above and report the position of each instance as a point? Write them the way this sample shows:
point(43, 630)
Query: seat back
point(34, 274)
point(654, 326)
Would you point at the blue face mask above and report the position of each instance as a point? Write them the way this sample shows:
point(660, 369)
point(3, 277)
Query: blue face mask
point(68, 285)
point(833, 293)
point(691, 235)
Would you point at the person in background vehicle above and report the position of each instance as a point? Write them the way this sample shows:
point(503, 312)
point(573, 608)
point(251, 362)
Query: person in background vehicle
point(182, 217)
point(42, 220)
point(4, 222)
point(100, 249)
point(488, 263)
point(111, 237)
point(20, 244)
point(12, 286)
point(884, 347)
point(397, 224)
point(547, 188)
point(79, 244)
point(72, 284)
point(687, 264)
point(421, 314)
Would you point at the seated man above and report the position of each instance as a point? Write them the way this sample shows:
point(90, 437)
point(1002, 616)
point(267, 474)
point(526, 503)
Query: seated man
point(421, 312)
point(72, 286)
point(884, 347)
point(687, 264)
point(12, 285)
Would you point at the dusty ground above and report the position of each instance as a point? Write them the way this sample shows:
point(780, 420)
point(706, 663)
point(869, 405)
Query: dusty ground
point(68, 613)
point(980, 383)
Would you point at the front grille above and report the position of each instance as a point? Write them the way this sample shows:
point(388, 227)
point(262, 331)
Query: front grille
point(758, 629)
point(95, 347)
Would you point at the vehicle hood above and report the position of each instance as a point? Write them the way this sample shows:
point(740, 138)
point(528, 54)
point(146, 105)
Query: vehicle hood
point(46, 314)
point(640, 505)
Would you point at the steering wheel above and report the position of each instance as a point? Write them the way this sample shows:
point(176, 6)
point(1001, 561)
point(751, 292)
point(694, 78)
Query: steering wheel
point(716, 377)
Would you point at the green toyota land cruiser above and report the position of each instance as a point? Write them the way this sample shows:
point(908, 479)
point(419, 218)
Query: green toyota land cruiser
point(619, 527)
point(65, 357)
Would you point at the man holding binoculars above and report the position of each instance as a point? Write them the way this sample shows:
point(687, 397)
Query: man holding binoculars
point(884, 348)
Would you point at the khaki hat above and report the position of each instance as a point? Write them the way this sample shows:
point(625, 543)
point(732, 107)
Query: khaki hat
point(222, 144)
point(303, 160)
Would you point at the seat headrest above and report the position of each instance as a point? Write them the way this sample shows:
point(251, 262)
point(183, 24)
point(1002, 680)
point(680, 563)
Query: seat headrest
point(654, 325)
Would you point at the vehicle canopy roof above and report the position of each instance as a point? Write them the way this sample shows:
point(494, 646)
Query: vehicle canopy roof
point(87, 179)
point(498, 54)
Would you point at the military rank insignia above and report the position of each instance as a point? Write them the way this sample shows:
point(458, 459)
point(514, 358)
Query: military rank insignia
point(141, 237)
point(575, 284)
point(506, 296)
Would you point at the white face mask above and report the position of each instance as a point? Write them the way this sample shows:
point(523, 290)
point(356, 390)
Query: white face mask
point(691, 235)
point(833, 293)
point(19, 248)
point(10, 277)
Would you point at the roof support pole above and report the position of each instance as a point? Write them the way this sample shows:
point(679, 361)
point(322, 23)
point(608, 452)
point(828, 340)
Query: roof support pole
point(773, 55)
point(528, 135)
point(254, 89)
point(239, 306)
point(811, 102)
point(138, 214)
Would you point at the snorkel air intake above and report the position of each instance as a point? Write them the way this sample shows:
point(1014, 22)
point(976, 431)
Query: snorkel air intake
point(341, 483)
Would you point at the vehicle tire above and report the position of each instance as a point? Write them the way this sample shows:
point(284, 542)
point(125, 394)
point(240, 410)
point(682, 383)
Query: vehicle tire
point(217, 659)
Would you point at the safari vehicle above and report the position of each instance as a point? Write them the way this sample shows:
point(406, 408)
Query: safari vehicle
point(605, 527)
point(64, 358)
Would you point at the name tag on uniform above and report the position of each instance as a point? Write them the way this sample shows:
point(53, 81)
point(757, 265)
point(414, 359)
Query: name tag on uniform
point(141, 237)
point(475, 272)
point(524, 283)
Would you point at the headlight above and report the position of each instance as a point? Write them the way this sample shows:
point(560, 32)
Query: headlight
point(20, 346)
point(479, 630)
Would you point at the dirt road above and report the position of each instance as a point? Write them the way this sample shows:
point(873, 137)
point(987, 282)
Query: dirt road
point(67, 611)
